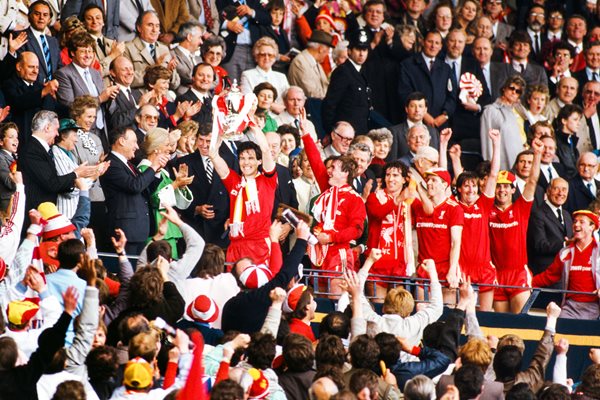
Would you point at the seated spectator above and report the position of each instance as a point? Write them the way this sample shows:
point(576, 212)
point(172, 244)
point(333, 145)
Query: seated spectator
point(107, 49)
point(294, 101)
point(341, 137)
point(306, 69)
point(277, 32)
point(265, 52)
point(417, 137)
point(9, 143)
point(187, 52)
point(213, 52)
point(122, 109)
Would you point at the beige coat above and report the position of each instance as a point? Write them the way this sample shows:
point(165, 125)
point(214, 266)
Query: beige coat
point(307, 73)
point(140, 57)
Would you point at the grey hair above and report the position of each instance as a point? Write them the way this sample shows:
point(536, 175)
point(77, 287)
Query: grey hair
point(313, 45)
point(41, 119)
point(341, 46)
point(381, 135)
point(188, 28)
point(285, 94)
point(213, 41)
point(360, 147)
point(418, 126)
point(419, 388)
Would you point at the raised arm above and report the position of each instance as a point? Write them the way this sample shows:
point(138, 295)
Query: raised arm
point(220, 165)
point(314, 158)
point(268, 163)
point(445, 136)
point(490, 185)
point(529, 190)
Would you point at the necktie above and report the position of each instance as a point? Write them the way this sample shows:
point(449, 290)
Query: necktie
point(101, 45)
point(589, 186)
point(594, 76)
point(233, 148)
point(153, 51)
point(431, 65)
point(131, 98)
point(297, 123)
point(276, 29)
point(46, 50)
point(455, 70)
point(132, 168)
point(537, 43)
point(358, 185)
point(522, 66)
point(90, 83)
point(209, 170)
point(549, 174)
point(207, 15)
point(559, 215)
point(51, 154)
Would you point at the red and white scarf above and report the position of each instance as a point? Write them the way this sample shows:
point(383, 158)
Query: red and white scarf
point(246, 203)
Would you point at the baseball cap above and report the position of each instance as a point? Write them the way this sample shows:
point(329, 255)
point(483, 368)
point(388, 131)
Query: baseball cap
point(137, 374)
point(506, 177)
point(20, 312)
point(591, 215)
point(442, 173)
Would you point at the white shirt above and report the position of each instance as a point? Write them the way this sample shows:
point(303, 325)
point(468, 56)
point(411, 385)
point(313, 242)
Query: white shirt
point(486, 75)
point(121, 157)
point(428, 61)
point(590, 73)
point(578, 47)
point(593, 188)
point(252, 77)
point(545, 167)
point(520, 183)
point(566, 74)
point(555, 209)
point(357, 66)
point(458, 62)
point(517, 65)
point(43, 142)
point(554, 35)
point(201, 96)
point(287, 118)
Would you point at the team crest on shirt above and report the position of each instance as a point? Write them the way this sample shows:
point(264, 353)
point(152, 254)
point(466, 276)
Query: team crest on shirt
point(476, 207)
point(510, 214)
point(442, 214)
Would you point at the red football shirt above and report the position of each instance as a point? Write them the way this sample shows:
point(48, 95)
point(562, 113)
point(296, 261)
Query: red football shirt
point(581, 278)
point(433, 232)
point(508, 235)
point(475, 246)
point(256, 224)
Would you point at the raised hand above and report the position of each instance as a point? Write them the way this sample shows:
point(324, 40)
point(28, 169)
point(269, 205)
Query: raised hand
point(171, 215)
point(70, 297)
point(119, 240)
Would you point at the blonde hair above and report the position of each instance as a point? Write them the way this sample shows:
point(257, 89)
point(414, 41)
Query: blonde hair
point(511, 340)
point(262, 42)
point(188, 128)
point(477, 352)
point(155, 139)
point(398, 301)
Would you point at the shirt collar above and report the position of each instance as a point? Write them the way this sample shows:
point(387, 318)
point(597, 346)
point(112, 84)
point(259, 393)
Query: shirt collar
point(552, 206)
point(199, 95)
point(357, 66)
point(120, 157)
point(43, 142)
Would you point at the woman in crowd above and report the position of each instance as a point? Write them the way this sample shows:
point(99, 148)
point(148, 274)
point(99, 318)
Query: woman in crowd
point(466, 17)
point(174, 193)
point(9, 143)
point(502, 115)
point(382, 143)
point(389, 226)
point(566, 125)
point(265, 52)
point(306, 185)
point(266, 95)
point(213, 52)
point(441, 19)
point(290, 140)
point(410, 41)
point(65, 162)
point(187, 141)
point(533, 107)
point(88, 148)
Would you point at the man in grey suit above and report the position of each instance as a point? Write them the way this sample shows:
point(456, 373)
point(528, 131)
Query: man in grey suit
point(416, 108)
point(519, 48)
point(111, 13)
point(78, 79)
point(129, 13)
point(187, 53)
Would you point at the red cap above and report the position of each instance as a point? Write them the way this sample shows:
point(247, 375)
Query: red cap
point(506, 177)
point(442, 173)
point(590, 215)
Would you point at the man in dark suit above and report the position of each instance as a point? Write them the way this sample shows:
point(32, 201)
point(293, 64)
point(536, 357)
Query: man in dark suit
point(122, 109)
point(45, 47)
point(426, 73)
point(583, 189)
point(362, 155)
point(549, 169)
point(591, 111)
point(592, 70)
point(465, 120)
point(492, 72)
point(348, 94)
point(536, 18)
point(146, 119)
point(210, 208)
point(126, 190)
point(26, 95)
point(42, 182)
point(200, 90)
point(549, 226)
point(110, 10)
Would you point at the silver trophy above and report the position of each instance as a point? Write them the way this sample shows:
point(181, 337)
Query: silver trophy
point(230, 112)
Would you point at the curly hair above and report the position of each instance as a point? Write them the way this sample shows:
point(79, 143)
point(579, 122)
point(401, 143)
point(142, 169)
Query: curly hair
point(146, 287)
point(261, 350)
point(82, 103)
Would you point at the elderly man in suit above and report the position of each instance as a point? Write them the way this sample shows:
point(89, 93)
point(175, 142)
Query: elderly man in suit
point(549, 227)
point(45, 47)
point(416, 108)
point(110, 14)
point(129, 12)
point(493, 73)
point(210, 208)
point(348, 95)
point(203, 79)
point(122, 109)
point(107, 49)
point(126, 190)
point(26, 95)
point(306, 71)
point(294, 100)
point(583, 189)
point(42, 182)
point(426, 73)
point(78, 79)
point(187, 53)
point(145, 50)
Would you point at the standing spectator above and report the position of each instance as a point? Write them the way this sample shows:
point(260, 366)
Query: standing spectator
point(285, 192)
point(107, 48)
point(172, 14)
point(549, 168)
point(566, 92)
point(382, 143)
point(306, 185)
point(576, 28)
point(520, 50)
point(417, 137)
point(266, 95)
point(591, 72)
point(501, 115)
point(566, 126)
point(536, 19)
point(126, 190)
point(129, 12)
point(562, 56)
point(492, 71)
point(9, 142)
point(145, 50)
point(426, 73)
point(549, 227)
point(306, 71)
point(251, 196)
point(27, 95)
point(508, 236)
point(200, 90)
point(42, 181)
point(501, 31)
point(187, 52)
point(583, 188)
point(591, 97)
point(123, 107)
point(348, 96)
point(294, 100)
point(108, 8)
point(64, 161)
point(206, 13)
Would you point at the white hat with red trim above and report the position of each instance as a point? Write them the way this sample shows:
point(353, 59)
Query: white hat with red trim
point(255, 276)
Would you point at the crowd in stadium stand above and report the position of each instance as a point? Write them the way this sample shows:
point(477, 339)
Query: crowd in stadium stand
point(242, 159)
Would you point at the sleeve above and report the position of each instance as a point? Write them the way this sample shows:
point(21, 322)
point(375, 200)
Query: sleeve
point(316, 163)
point(126, 182)
point(194, 245)
point(272, 321)
point(559, 373)
point(376, 209)
point(457, 216)
point(174, 304)
point(37, 169)
point(537, 237)
point(534, 374)
point(487, 123)
point(231, 180)
point(335, 93)
point(194, 389)
point(304, 31)
point(551, 275)
point(114, 309)
point(10, 233)
point(81, 218)
point(433, 362)
point(84, 333)
point(64, 94)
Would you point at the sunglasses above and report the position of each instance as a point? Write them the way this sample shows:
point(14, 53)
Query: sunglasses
point(516, 90)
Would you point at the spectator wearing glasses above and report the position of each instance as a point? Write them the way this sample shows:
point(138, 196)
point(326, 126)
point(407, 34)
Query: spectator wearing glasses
point(501, 115)
point(341, 137)
point(146, 119)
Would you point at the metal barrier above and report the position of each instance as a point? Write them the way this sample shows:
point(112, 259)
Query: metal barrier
point(315, 278)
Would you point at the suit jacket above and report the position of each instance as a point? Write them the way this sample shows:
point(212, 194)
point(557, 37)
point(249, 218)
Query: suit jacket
point(33, 46)
point(206, 193)
point(579, 196)
point(172, 15)
point(42, 182)
point(141, 59)
point(306, 73)
point(72, 85)
point(121, 111)
point(502, 33)
point(539, 56)
point(562, 173)
point(105, 58)
point(280, 38)
point(111, 13)
point(127, 199)
point(24, 102)
point(205, 114)
point(129, 11)
point(347, 99)
point(546, 236)
point(286, 191)
point(465, 124)
point(196, 9)
point(400, 146)
point(498, 74)
point(438, 85)
point(591, 131)
point(185, 68)
point(7, 186)
point(534, 74)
